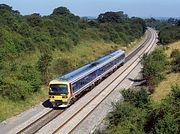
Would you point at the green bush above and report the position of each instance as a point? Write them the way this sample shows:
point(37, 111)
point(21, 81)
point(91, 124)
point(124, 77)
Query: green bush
point(125, 118)
point(137, 97)
point(154, 65)
point(120, 112)
point(165, 117)
point(15, 90)
point(43, 64)
point(32, 76)
point(169, 30)
point(175, 55)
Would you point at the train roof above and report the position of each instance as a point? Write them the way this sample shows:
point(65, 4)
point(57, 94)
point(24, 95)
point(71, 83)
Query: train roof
point(76, 73)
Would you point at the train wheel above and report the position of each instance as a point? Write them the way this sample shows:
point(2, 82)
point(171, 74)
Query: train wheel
point(72, 100)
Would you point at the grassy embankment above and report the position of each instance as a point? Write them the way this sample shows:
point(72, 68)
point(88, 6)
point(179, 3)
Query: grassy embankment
point(171, 79)
point(80, 55)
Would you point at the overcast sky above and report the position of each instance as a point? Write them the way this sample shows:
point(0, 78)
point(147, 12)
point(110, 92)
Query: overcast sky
point(139, 8)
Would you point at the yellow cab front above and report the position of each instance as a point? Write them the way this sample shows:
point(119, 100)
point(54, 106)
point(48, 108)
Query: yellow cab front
point(59, 93)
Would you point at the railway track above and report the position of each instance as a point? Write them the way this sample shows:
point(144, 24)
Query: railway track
point(49, 116)
point(58, 130)
point(40, 122)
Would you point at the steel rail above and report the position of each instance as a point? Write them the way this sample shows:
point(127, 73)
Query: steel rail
point(40, 122)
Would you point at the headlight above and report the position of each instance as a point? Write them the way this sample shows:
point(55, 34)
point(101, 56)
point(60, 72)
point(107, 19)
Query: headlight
point(51, 96)
point(64, 95)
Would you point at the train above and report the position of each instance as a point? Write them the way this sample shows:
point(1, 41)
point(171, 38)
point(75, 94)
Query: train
point(65, 90)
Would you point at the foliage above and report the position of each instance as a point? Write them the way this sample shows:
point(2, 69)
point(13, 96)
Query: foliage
point(169, 30)
point(114, 17)
point(14, 90)
point(43, 64)
point(175, 55)
point(163, 118)
point(34, 20)
point(125, 118)
point(32, 76)
point(139, 98)
point(61, 11)
point(154, 65)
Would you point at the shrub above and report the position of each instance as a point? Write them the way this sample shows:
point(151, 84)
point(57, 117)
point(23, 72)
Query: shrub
point(15, 90)
point(174, 53)
point(176, 60)
point(125, 118)
point(119, 113)
point(176, 92)
point(43, 64)
point(167, 125)
point(32, 76)
point(139, 98)
point(154, 65)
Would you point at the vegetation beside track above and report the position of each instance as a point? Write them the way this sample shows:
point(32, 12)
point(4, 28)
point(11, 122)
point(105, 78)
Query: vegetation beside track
point(154, 108)
point(169, 30)
point(147, 117)
point(36, 49)
point(171, 78)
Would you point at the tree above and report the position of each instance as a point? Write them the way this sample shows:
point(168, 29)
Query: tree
point(43, 64)
point(4, 8)
point(139, 21)
point(34, 20)
point(14, 90)
point(32, 76)
point(139, 98)
point(153, 66)
point(176, 60)
point(61, 11)
point(112, 17)
point(178, 22)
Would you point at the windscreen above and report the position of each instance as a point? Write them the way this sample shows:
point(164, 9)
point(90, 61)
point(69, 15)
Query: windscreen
point(59, 88)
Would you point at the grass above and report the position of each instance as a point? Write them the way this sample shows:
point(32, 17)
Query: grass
point(164, 88)
point(172, 46)
point(10, 108)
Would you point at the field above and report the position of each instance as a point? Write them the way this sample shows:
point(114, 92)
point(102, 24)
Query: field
point(163, 89)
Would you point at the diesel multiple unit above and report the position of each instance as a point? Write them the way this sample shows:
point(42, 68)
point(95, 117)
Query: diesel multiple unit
point(65, 90)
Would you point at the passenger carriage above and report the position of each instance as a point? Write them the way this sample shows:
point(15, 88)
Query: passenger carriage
point(64, 90)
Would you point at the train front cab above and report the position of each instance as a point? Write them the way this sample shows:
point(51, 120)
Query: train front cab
point(59, 93)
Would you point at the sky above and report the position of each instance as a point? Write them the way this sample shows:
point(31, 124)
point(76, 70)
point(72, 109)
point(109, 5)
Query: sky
point(138, 8)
